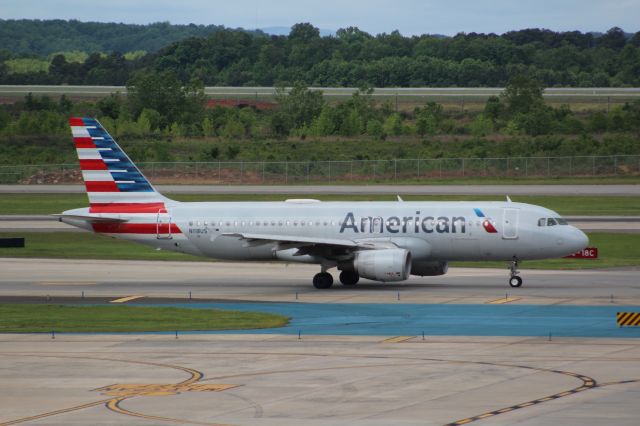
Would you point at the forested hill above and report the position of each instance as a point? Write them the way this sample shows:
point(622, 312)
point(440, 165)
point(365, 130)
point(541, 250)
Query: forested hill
point(41, 38)
point(352, 57)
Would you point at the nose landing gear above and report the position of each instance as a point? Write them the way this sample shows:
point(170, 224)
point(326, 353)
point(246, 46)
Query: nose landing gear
point(514, 279)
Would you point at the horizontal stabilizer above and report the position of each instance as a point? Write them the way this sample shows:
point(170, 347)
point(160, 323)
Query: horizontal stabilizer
point(89, 218)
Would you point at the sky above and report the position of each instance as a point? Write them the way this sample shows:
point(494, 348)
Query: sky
point(410, 17)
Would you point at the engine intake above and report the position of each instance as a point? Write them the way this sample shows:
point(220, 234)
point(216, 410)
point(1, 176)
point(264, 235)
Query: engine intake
point(383, 265)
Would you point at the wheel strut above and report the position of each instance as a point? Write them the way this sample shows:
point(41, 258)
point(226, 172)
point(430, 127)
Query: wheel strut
point(514, 279)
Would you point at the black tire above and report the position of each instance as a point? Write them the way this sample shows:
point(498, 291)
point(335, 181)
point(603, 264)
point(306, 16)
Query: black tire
point(323, 280)
point(515, 281)
point(349, 278)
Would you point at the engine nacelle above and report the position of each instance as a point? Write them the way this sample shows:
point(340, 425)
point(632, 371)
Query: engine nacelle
point(383, 265)
point(429, 268)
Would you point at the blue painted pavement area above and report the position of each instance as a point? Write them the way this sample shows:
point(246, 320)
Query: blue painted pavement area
point(439, 320)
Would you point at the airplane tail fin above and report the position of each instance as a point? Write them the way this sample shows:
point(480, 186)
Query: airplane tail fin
point(114, 184)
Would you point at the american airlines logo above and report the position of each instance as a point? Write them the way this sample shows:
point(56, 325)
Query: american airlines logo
point(413, 224)
point(407, 224)
point(486, 222)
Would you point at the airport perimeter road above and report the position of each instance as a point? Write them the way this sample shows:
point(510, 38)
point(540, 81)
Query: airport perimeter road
point(483, 92)
point(498, 190)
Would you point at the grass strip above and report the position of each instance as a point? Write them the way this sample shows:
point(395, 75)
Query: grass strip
point(19, 318)
point(39, 204)
point(615, 250)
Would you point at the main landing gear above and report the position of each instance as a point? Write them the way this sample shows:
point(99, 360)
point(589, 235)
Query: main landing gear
point(324, 279)
point(514, 279)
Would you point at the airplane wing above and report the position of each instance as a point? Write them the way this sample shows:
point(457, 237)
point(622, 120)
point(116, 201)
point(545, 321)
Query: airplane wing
point(293, 241)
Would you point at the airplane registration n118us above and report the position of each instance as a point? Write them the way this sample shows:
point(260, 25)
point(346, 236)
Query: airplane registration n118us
point(380, 241)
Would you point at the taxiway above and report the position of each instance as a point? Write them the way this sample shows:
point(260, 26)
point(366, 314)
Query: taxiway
point(376, 375)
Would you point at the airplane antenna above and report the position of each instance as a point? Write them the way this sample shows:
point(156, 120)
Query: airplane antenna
point(399, 198)
point(508, 199)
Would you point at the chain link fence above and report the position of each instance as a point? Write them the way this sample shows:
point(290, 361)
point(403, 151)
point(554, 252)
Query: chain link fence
point(371, 171)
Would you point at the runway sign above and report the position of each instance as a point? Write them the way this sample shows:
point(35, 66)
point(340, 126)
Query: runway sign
point(587, 253)
point(628, 319)
point(11, 242)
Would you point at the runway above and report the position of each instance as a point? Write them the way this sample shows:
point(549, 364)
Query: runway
point(375, 375)
point(497, 190)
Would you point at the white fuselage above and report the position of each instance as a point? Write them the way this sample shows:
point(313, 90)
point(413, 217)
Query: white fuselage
point(439, 231)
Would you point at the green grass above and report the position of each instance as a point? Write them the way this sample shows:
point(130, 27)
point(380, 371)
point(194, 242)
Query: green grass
point(615, 250)
point(25, 318)
point(28, 204)
point(84, 245)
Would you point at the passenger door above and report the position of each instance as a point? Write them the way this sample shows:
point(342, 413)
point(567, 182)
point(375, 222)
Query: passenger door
point(510, 223)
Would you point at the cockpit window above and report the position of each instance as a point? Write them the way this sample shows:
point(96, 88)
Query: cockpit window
point(551, 221)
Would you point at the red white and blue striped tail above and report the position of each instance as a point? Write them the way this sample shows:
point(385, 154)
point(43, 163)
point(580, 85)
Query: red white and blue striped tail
point(114, 183)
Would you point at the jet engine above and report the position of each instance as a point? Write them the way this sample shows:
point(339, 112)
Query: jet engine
point(429, 268)
point(383, 265)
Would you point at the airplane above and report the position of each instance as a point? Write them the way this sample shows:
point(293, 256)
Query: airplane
point(379, 241)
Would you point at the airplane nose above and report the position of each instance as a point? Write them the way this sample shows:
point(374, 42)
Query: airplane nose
point(579, 240)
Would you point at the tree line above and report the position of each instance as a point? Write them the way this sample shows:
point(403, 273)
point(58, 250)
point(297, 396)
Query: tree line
point(355, 58)
point(161, 117)
point(43, 37)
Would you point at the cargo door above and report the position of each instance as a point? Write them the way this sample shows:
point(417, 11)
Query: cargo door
point(163, 225)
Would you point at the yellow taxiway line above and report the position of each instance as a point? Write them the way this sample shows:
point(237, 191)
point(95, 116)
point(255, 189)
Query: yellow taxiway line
point(503, 300)
point(126, 299)
point(397, 339)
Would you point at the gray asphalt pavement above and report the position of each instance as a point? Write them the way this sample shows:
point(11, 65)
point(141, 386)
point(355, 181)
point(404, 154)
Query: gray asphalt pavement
point(282, 282)
point(286, 380)
point(497, 190)
point(21, 90)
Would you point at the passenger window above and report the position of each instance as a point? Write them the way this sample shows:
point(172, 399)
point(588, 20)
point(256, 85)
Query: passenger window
point(542, 221)
point(551, 221)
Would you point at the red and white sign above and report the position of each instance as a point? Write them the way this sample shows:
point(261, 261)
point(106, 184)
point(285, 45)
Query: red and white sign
point(587, 253)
